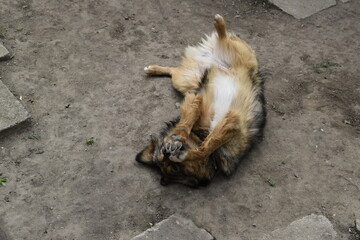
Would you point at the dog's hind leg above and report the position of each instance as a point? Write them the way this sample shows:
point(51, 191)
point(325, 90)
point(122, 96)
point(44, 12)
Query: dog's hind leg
point(220, 26)
point(158, 70)
point(183, 79)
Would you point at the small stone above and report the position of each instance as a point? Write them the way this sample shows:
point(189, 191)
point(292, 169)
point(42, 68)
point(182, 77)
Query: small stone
point(177, 105)
point(345, 1)
point(295, 175)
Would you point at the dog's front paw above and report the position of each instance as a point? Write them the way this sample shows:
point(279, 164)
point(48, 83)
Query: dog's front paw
point(174, 147)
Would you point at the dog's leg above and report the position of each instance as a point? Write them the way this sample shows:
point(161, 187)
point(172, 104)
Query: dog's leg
point(181, 79)
point(158, 70)
point(190, 113)
point(226, 129)
point(234, 51)
point(229, 127)
point(220, 26)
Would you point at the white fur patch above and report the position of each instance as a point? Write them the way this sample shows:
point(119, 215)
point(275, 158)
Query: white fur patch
point(209, 59)
point(224, 91)
point(208, 54)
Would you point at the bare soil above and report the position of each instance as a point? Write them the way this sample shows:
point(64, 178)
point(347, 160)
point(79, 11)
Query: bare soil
point(78, 66)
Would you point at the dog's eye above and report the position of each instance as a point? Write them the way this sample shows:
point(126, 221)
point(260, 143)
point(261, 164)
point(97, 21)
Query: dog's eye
point(176, 168)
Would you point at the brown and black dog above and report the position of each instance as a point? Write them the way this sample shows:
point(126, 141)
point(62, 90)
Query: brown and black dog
point(222, 114)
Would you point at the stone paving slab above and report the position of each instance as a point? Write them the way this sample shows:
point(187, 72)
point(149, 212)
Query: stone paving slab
point(314, 227)
point(303, 8)
point(4, 53)
point(175, 228)
point(12, 112)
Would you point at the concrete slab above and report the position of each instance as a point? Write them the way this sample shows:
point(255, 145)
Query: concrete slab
point(12, 111)
point(175, 228)
point(304, 8)
point(314, 227)
point(4, 53)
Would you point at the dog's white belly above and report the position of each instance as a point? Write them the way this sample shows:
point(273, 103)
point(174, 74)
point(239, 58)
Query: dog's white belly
point(224, 89)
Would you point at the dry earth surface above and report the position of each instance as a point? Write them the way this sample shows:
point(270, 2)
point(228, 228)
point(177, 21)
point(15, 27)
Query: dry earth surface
point(78, 66)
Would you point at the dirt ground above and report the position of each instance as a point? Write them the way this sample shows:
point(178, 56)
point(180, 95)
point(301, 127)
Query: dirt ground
point(78, 66)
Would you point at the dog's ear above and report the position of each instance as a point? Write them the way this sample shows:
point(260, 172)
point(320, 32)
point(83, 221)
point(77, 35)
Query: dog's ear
point(148, 154)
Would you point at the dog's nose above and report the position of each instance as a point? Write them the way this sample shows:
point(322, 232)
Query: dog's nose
point(163, 181)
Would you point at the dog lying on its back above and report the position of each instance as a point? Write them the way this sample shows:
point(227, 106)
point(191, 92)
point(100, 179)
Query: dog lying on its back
point(222, 114)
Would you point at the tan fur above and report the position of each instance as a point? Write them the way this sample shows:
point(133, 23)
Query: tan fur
point(221, 56)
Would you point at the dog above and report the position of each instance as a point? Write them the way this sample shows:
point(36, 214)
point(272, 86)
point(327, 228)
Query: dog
point(222, 114)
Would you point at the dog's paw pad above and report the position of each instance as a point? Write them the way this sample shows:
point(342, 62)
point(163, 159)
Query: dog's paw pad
point(174, 147)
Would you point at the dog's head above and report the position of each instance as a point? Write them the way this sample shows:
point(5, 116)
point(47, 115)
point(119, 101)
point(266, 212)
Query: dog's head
point(190, 173)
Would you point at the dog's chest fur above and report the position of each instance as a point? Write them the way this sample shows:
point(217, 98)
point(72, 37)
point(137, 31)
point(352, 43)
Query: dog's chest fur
point(223, 88)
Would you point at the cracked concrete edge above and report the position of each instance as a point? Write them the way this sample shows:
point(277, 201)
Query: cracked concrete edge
point(175, 228)
point(12, 112)
point(4, 53)
point(314, 227)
